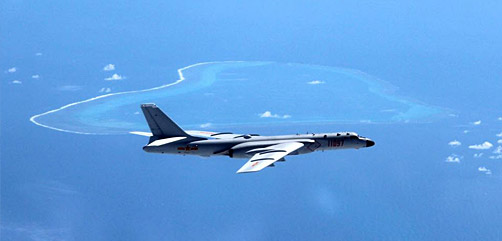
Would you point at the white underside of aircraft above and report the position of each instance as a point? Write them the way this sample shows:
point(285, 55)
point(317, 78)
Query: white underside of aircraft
point(167, 137)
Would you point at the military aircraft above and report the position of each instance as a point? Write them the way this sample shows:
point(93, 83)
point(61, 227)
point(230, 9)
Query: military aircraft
point(167, 137)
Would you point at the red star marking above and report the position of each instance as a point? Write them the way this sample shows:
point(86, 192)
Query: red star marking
point(254, 164)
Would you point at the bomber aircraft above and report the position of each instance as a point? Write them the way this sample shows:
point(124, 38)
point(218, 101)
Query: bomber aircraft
point(167, 137)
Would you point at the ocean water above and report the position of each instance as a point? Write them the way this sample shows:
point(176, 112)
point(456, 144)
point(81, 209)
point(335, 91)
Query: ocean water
point(421, 79)
point(252, 93)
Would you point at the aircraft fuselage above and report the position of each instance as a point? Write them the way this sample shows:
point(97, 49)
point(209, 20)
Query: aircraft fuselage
point(239, 147)
point(167, 137)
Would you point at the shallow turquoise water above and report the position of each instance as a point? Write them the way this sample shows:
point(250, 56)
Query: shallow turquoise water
point(239, 93)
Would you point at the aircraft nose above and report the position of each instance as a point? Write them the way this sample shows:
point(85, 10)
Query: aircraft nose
point(370, 143)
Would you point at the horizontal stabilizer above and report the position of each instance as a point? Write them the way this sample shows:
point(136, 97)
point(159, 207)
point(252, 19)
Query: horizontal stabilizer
point(141, 133)
point(164, 141)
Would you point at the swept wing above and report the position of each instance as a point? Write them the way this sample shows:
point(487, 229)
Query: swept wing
point(266, 156)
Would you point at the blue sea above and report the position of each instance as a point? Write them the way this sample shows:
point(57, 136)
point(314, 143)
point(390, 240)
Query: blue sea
point(422, 79)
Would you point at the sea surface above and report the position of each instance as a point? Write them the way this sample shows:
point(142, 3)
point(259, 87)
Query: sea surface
point(421, 79)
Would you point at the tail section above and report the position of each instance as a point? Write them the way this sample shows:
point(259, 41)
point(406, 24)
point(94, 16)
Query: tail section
point(160, 124)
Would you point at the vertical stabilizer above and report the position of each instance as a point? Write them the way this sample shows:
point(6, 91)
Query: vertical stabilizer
point(160, 124)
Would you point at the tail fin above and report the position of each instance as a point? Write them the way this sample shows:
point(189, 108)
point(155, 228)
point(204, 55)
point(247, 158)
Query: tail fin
point(161, 125)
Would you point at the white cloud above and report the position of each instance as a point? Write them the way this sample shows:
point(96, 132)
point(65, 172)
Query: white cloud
point(454, 143)
point(498, 150)
point(315, 82)
point(136, 113)
point(205, 125)
point(17, 82)
point(485, 170)
point(486, 145)
point(453, 158)
point(478, 155)
point(500, 118)
point(38, 54)
point(496, 157)
point(35, 76)
point(499, 134)
point(268, 114)
point(12, 70)
point(476, 123)
point(466, 131)
point(109, 67)
point(115, 77)
point(70, 88)
point(499, 141)
point(105, 90)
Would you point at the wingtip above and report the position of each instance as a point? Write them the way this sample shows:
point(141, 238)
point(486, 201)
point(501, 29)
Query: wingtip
point(242, 170)
point(148, 105)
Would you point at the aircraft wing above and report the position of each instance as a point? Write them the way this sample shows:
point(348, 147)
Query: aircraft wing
point(268, 155)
